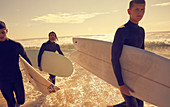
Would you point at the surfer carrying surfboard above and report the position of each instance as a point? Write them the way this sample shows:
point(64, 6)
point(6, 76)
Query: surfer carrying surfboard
point(133, 35)
point(50, 45)
point(10, 74)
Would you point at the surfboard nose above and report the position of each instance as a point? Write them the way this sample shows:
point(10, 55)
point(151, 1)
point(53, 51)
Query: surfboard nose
point(75, 40)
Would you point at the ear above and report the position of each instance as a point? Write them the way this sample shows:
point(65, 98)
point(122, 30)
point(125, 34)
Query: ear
point(6, 30)
point(128, 11)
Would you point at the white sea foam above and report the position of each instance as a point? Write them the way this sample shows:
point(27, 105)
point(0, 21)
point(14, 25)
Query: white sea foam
point(163, 37)
point(81, 89)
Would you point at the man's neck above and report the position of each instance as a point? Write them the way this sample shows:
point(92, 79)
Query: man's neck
point(133, 21)
point(52, 41)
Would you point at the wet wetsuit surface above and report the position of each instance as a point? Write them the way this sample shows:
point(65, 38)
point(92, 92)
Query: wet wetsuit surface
point(133, 35)
point(129, 34)
point(10, 74)
point(48, 46)
point(9, 60)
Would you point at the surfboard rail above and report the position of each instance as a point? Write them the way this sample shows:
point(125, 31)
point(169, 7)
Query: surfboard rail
point(38, 81)
point(51, 62)
point(145, 72)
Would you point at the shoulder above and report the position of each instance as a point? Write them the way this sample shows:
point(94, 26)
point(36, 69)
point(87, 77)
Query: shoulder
point(45, 43)
point(57, 44)
point(122, 30)
point(13, 42)
point(142, 29)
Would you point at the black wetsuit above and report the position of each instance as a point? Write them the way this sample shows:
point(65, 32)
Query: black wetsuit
point(129, 34)
point(10, 74)
point(49, 46)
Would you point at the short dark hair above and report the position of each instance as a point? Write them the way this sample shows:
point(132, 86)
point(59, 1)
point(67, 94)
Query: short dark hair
point(2, 25)
point(131, 4)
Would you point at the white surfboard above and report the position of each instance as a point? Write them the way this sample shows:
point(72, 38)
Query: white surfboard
point(56, 64)
point(39, 82)
point(51, 62)
point(145, 72)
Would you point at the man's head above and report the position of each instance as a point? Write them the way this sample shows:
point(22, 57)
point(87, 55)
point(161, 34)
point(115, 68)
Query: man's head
point(52, 36)
point(131, 4)
point(136, 10)
point(3, 31)
point(2, 25)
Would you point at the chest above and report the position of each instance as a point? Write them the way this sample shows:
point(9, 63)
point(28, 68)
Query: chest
point(51, 47)
point(8, 51)
point(135, 38)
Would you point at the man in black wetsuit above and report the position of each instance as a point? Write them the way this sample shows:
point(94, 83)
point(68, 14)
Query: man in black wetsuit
point(10, 74)
point(133, 35)
point(50, 45)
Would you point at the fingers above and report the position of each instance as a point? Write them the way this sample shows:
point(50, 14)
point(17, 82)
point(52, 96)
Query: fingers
point(131, 90)
point(126, 90)
point(40, 68)
point(127, 93)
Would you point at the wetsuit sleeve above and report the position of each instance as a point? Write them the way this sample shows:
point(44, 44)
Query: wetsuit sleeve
point(143, 45)
point(59, 50)
point(116, 51)
point(40, 54)
point(23, 53)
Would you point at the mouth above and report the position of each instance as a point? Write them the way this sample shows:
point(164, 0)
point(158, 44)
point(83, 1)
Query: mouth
point(52, 38)
point(1, 37)
point(139, 16)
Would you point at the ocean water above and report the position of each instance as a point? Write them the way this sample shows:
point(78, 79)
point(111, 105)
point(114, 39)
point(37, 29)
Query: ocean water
point(83, 89)
point(152, 37)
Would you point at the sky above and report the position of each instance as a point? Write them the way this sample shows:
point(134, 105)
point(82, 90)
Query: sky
point(36, 18)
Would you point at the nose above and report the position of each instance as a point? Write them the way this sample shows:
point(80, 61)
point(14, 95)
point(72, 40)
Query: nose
point(140, 11)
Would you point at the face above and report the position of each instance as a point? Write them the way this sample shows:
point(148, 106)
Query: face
point(3, 34)
point(136, 12)
point(52, 37)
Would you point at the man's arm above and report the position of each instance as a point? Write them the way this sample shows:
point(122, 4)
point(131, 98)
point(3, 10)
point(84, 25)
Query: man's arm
point(117, 47)
point(23, 53)
point(59, 50)
point(143, 45)
point(40, 54)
